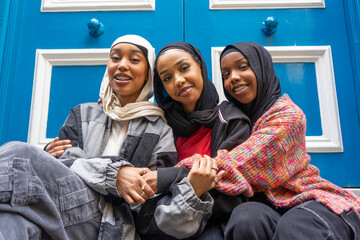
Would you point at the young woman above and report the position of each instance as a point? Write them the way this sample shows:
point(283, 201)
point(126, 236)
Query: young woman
point(289, 199)
point(87, 194)
point(190, 102)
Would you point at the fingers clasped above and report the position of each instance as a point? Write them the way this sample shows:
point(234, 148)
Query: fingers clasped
point(146, 192)
point(131, 185)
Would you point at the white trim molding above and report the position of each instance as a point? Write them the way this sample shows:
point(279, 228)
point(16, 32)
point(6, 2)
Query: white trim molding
point(96, 5)
point(355, 191)
point(45, 60)
point(264, 4)
point(331, 138)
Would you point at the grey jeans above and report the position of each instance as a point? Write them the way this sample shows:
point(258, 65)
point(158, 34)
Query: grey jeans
point(40, 198)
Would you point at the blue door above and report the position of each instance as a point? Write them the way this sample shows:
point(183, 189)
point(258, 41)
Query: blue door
point(310, 47)
point(50, 62)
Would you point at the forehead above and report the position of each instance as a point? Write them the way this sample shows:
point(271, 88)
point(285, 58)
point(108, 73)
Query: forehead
point(174, 54)
point(126, 47)
point(231, 57)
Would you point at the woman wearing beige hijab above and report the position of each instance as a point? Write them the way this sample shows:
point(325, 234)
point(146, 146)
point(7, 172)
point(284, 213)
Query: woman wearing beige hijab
point(90, 191)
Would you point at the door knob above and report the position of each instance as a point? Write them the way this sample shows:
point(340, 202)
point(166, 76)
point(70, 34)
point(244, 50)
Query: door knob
point(96, 28)
point(270, 26)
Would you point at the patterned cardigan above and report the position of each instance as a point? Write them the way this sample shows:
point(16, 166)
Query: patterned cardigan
point(274, 160)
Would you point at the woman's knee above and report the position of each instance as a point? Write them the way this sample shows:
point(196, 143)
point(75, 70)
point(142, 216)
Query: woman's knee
point(13, 146)
point(311, 220)
point(19, 149)
point(251, 218)
point(252, 213)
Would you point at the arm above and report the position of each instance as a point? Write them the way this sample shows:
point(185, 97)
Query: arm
point(98, 173)
point(184, 211)
point(267, 160)
point(109, 175)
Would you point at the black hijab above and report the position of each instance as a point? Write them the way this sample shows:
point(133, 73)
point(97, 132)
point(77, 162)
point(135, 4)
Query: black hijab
point(205, 111)
point(268, 85)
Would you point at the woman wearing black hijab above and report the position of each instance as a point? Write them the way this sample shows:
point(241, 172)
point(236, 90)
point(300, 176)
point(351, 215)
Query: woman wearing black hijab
point(288, 198)
point(201, 126)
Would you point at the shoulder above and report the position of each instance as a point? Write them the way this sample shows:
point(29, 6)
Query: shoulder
point(284, 106)
point(90, 106)
point(151, 124)
point(90, 111)
point(284, 112)
point(228, 111)
point(155, 119)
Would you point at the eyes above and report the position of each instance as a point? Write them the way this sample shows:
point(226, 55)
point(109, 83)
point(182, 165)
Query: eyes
point(182, 69)
point(243, 66)
point(115, 57)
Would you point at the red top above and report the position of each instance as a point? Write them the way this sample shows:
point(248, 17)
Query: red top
point(198, 142)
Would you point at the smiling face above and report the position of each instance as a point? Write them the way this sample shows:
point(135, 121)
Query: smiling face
point(127, 71)
point(181, 77)
point(239, 78)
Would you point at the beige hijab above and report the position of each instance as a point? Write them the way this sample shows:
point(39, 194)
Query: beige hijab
point(141, 107)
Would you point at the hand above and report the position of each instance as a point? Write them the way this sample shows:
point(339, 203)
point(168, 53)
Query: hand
point(151, 179)
point(131, 186)
point(57, 147)
point(204, 175)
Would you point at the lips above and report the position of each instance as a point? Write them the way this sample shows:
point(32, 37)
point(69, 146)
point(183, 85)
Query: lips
point(240, 88)
point(185, 91)
point(122, 78)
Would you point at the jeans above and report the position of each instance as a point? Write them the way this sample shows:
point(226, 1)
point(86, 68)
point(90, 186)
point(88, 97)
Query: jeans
point(40, 198)
point(310, 220)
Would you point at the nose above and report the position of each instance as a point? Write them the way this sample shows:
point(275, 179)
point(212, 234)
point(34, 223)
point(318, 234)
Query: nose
point(123, 64)
point(179, 81)
point(235, 76)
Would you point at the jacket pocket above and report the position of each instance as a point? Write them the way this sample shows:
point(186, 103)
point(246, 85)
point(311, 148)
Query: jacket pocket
point(77, 202)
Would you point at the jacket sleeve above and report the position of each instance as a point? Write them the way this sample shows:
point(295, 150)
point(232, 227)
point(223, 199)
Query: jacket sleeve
point(274, 152)
point(99, 173)
point(178, 213)
point(168, 176)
